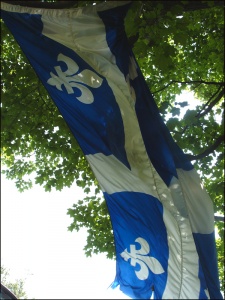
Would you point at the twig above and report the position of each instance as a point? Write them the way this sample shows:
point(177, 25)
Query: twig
point(210, 106)
point(188, 82)
point(219, 218)
point(209, 150)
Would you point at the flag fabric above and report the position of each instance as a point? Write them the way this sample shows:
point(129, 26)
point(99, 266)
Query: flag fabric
point(162, 217)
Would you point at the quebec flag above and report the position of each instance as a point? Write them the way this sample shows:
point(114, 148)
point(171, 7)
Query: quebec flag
point(162, 217)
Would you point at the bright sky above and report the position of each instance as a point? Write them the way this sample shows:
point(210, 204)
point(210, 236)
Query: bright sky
point(36, 246)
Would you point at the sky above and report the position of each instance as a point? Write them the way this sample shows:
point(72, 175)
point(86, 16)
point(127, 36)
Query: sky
point(37, 247)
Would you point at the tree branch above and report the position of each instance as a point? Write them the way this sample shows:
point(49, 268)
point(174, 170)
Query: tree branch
point(210, 106)
point(209, 150)
point(39, 92)
point(188, 82)
point(219, 218)
point(207, 103)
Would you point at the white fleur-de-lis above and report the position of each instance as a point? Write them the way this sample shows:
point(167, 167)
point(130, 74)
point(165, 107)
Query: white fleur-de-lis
point(71, 78)
point(140, 257)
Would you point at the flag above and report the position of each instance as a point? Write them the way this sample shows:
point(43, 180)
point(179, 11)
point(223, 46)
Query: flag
point(162, 217)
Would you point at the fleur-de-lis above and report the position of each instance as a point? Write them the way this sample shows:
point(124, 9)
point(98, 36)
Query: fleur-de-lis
point(140, 257)
point(71, 78)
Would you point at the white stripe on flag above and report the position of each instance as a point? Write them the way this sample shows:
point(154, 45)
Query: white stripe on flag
point(182, 281)
point(199, 204)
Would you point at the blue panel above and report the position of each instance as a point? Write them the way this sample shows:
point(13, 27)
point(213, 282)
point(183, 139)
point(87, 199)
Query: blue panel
point(136, 215)
point(205, 244)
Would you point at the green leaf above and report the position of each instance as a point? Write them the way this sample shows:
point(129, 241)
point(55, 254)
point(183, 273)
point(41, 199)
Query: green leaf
point(175, 111)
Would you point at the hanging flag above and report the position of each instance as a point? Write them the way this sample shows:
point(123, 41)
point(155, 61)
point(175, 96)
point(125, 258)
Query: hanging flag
point(162, 217)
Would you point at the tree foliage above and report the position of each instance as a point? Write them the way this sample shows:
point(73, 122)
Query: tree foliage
point(17, 287)
point(179, 48)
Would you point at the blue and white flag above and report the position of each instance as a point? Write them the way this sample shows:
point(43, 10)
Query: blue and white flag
point(162, 217)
